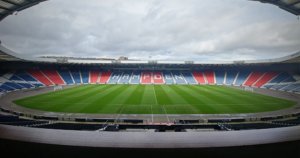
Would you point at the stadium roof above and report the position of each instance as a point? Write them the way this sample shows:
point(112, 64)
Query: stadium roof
point(8, 7)
point(292, 6)
point(9, 55)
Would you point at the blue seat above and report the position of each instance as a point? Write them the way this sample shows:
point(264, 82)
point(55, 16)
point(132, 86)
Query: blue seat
point(242, 76)
point(220, 75)
point(76, 76)
point(125, 78)
point(189, 77)
point(85, 75)
point(179, 79)
point(114, 78)
point(65, 74)
point(135, 77)
point(168, 77)
point(230, 77)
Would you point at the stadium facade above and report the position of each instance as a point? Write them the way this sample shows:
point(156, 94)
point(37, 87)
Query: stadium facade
point(20, 74)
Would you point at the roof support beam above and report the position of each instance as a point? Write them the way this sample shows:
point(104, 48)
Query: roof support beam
point(4, 8)
point(288, 7)
point(14, 6)
point(11, 2)
point(294, 3)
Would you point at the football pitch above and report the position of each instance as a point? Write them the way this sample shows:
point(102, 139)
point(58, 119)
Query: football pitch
point(154, 99)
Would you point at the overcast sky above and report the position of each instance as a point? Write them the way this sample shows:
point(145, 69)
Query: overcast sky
point(153, 29)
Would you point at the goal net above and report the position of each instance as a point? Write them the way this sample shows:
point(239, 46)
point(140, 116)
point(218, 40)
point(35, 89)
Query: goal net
point(2, 94)
point(58, 87)
point(250, 89)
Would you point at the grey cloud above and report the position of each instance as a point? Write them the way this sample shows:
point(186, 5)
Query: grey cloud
point(154, 29)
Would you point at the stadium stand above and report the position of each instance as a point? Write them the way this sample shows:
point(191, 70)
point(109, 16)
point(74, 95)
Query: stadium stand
point(13, 85)
point(265, 78)
point(85, 76)
point(20, 81)
point(210, 77)
point(125, 78)
point(104, 77)
point(158, 78)
point(135, 77)
point(53, 76)
point(38, 75)
point(280, 78)
point(146, 77)
point(94, 76)
point(290, 87)
point(241, 78)
point(199, 76)
point(27, 78)
point(220, 75)
point(217, 124)
point(254, 76)
point(76, 76)
point(5, 87)
point(230, 77)
point(115, 77)
point(178, 78)
point(66, 76)
point(189, 77)
point(268, 79)
point(168, 77)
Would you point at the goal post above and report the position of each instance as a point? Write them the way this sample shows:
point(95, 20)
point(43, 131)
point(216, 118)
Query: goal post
point(2, 94)
point(57, 87)
point(250, 89)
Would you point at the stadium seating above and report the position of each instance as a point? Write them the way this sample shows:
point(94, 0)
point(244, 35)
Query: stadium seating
point(94, 76)
point(178, 78)
point(53, 76)
point(65, 74)
point(220, 75)
point(283, 81)
point(168, 77)
point(40, 77)
point(28, 79)
point(13, 85)
point(85, 76)
point(297, 90)
point(265, 78)
point(5, 87)
point(289, 79)
point(158, 78)
point(291, 87)
point(253, 77)
point(279, 86)
point(115, 77)
point(76, 76)
point(281, 77)
point(189, 77)
point(21, 82)
point(199, 76)
point(230, 77)
point(210, 77)
point(135, 77)
point(146, 77)
point(241, 78)
point(104, 77)
point(125, 78)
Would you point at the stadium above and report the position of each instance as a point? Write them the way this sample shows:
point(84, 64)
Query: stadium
point(81, 105)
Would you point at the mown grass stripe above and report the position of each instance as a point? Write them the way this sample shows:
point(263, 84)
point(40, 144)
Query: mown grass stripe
point(154, 99)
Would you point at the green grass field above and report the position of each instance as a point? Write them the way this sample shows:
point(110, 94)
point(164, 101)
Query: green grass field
point(154, 99)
